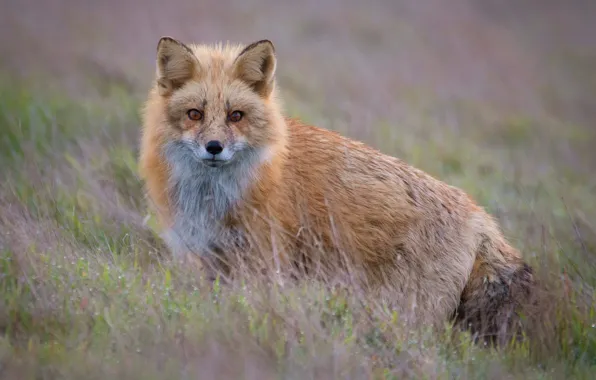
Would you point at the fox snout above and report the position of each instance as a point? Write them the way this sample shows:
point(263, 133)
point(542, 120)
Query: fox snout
point(213, 151)
point(212, 148)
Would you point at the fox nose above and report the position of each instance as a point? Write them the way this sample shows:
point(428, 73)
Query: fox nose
point(214, 147)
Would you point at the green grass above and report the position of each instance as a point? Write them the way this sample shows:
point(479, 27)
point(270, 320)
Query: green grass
point(86, 290)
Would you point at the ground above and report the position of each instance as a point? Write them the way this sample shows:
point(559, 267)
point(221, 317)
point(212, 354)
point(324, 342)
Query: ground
point(495, 97)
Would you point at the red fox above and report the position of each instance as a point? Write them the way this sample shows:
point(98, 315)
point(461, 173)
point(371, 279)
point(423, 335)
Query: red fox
point(224, 169)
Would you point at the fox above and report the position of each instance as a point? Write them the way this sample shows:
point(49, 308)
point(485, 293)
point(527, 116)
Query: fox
point(225, 170)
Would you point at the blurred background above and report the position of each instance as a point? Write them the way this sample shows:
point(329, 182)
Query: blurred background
point(409, 63)
point(497, 97)
point(530, 56)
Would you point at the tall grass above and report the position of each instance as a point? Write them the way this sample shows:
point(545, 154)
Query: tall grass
point(87, 289)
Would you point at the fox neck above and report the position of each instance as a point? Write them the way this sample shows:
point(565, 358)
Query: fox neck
point(203, 197)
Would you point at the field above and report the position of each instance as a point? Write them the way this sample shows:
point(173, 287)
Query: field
point(498, 98)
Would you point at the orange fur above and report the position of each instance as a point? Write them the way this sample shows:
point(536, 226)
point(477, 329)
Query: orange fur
point(312, 192)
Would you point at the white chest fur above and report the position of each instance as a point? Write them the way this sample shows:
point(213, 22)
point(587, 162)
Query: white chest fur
point(202, 196)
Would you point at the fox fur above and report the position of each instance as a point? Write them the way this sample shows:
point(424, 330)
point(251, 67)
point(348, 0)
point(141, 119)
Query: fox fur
point(298, 196)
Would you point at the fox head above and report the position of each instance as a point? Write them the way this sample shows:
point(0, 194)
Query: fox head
point(217, 103)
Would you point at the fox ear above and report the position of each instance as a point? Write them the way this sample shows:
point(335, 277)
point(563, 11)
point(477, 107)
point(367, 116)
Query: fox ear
point(176, 64)
point(255, 65)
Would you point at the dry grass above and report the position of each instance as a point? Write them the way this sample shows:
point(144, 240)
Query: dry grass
point(497, 100)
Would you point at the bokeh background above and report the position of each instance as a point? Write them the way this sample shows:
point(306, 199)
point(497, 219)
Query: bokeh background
point(497, 97)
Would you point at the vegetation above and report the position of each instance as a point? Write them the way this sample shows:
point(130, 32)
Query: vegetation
point(88, 290)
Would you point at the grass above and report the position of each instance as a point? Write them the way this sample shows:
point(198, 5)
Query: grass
point(87, 291)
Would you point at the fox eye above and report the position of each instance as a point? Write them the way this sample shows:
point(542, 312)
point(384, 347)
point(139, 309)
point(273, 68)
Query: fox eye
point(235, 116)
point(194, 114)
